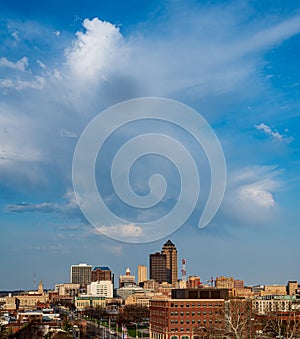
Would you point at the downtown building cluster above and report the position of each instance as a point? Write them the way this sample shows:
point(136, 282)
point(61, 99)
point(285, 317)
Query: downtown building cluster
point(183, 308)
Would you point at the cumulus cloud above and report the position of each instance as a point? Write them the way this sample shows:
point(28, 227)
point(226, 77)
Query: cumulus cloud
point(250, 197)
point(95, 52)
point(272, 132)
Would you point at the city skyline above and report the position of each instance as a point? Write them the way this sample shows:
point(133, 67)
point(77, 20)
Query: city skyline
point(84, 274)
point(63, 63)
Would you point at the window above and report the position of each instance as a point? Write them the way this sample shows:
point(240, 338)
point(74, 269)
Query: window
point(198, 312)
point(187, 313)
point(174, 336)
point(182, 313)
point(193, 313)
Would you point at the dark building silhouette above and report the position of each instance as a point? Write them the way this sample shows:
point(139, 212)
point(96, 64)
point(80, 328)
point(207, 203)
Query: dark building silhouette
point(158, 271)
point(163, 266)
point(170, 251)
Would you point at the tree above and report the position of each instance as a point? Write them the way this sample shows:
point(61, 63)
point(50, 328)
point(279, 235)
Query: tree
point(283, 324)
point(132, 314)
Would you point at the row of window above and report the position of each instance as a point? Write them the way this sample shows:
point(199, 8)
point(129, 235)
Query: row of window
point(193, 313)
point(198, 305)
point(193, 321)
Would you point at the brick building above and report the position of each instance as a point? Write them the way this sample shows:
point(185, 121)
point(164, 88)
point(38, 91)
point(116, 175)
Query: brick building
point(101, 273)
point(186, 312)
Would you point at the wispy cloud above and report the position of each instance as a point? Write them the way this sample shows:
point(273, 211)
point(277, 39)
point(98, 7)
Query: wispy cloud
point(20, 65)
point(64, 133)
point(273, 133)
point(68, 207)
point(127, 231)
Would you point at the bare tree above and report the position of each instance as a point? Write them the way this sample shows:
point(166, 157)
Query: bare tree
point(283, 324)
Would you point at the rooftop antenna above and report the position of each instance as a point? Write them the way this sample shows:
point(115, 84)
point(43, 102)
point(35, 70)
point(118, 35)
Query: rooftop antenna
point(34, 282)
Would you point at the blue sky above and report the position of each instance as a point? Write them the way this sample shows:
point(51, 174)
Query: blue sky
point(237, 63)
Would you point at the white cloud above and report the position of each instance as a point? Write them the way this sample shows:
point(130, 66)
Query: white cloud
point(126, 231)
point(272, 132)
point(250, 195)
point(96, 52)
point(257, 193)
point(37, 83)
point(64, 133)
point(68, 207)
point(20, 65)
point(180, 61)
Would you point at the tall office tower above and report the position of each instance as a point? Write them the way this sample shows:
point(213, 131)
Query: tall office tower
point(101, 273)
point(142, 273)
point(170, 251)
point(81, 274)
point(158, 268)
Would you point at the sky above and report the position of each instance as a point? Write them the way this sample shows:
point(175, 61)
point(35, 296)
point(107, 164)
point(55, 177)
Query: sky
point(62, 63)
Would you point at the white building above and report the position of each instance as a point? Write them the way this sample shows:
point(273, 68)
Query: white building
point(274, 303)
point(102, 288)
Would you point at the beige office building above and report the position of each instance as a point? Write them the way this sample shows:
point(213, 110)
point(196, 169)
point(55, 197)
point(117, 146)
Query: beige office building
point(142, 273)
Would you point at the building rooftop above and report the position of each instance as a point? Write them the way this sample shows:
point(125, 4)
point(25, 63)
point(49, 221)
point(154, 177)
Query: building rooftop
point(103, 268)
point(169, 243)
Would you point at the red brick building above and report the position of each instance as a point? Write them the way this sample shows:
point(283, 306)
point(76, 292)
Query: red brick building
point(181, 317)
point(101, 273)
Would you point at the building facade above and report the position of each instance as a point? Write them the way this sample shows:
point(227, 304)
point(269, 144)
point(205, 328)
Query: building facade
point(81, 274)
point(158, 264)
point(182, 318)
point(68, 289)
point(101, 273)
point(142, 274)
point(170, 251)
point(127, 279)
point(102, 288)
point(224, 282)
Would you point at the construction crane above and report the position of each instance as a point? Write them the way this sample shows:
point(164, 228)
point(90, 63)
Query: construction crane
point(211, 281)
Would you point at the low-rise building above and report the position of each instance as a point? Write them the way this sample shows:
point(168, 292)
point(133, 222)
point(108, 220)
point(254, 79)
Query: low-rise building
point(265, 305)
point(68, 289)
